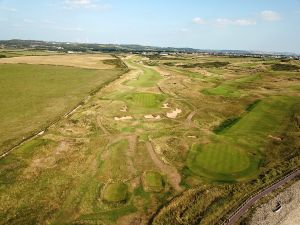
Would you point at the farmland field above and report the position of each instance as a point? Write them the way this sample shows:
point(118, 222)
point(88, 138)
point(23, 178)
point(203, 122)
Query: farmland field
point(164, 140)
point(33, 96)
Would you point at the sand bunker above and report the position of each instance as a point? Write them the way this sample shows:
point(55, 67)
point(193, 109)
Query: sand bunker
point(275, 138)
point(123, 118)
point(165, 106)
point(174, 113)
point(124, 109)
point(152, 117)
point(191, 136)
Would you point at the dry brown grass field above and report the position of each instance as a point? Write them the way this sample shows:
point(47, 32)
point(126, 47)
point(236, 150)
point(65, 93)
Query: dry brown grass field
point(87, 61)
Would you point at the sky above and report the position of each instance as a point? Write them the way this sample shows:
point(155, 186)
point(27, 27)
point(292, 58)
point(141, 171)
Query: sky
point(262, 25)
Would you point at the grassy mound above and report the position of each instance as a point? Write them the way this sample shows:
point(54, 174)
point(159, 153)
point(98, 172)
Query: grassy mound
point(115, 192)
point(152, 181)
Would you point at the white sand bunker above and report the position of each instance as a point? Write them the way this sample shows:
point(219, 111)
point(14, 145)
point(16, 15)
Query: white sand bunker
point(123, 118)
point(124, 109)
point(174, 113)
point(165, 106)
point(152, 117)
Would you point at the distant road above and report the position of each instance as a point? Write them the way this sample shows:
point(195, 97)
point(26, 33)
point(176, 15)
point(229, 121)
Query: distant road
point(235, 216)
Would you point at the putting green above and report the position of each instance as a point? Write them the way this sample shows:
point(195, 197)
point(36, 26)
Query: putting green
point(115, 192)
point(147, 100)
point(153, 182)
point(222, 158)
point(222, 162)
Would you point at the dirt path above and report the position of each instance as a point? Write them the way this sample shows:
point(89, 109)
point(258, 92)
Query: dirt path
point(235, 216)
point(99, 122)
point(188, 120)
point(171, 172)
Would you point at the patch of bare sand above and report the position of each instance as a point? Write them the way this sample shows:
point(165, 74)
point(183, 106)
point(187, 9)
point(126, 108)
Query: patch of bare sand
point(165, 106)
point(82, 61)
point(174, 113)
point(152, 117)
point(124, 108)
point(122, 118)
point(289, 214)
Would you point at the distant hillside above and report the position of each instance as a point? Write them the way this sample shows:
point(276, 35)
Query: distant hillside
point(94, 47)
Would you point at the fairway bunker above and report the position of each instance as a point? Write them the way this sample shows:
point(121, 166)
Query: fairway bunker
point(124, 109)
point(165, 106)
point(152, 117)
point(174, 113)
point(123, 118)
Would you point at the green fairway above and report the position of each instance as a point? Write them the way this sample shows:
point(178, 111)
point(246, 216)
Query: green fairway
point(231, 88)
point(139, 100)
point(229, 157)
point(34, 95)
point(148, 78)
point(115, 192)
point(115, 166)
point(268, 117)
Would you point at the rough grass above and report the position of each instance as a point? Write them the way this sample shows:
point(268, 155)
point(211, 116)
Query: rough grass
point(34, 95)
point(115, 192)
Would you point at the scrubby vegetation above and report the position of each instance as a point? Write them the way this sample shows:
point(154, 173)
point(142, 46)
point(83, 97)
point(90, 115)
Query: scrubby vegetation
point(284, 67)
point(215, 64)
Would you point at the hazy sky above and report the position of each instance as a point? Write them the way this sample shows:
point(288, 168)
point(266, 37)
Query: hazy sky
point(268, 25)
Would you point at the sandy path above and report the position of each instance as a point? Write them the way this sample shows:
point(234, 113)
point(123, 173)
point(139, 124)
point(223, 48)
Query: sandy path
point(174, 177)
point(188, 120)
point(99, 122)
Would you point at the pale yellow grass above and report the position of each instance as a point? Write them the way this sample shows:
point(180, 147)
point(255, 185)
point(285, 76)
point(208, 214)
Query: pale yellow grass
point(77, 60)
